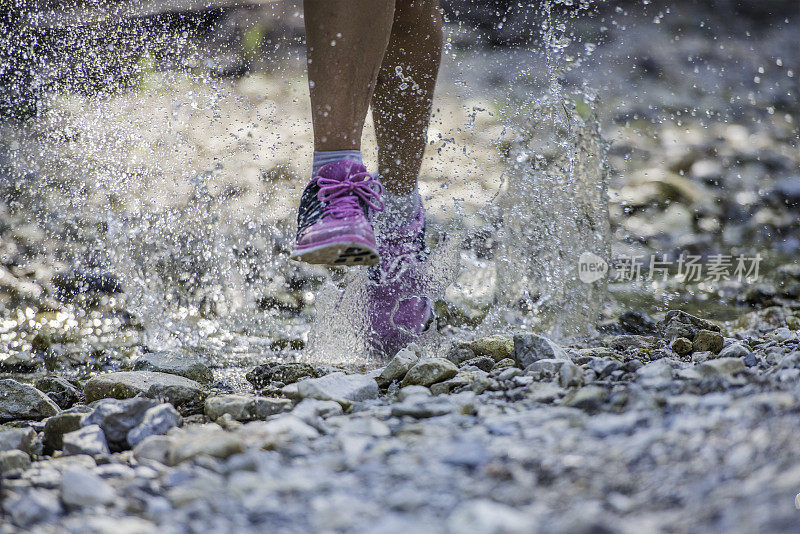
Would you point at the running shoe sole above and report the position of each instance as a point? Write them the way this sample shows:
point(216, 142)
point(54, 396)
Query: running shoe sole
point(343, 251)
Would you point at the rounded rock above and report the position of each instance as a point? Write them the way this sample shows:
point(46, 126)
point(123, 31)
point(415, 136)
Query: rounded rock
point(430, 371)
point(681, 346)
point(21, 401)
point(706, 340)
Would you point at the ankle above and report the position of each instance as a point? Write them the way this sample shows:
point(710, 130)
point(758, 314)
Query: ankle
point(400, 209)
point(323, 157)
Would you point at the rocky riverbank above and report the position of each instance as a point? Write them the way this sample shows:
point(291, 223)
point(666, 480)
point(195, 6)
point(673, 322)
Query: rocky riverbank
point(684, 425)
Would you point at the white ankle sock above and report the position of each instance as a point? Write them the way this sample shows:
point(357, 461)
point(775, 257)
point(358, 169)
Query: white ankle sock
point(400, 209)
point(329, 156)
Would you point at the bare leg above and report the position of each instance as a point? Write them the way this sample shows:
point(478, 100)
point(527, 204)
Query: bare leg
point(346, 41)
point(401, 106)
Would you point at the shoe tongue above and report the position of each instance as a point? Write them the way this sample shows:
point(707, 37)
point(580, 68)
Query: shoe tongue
point(339, 170)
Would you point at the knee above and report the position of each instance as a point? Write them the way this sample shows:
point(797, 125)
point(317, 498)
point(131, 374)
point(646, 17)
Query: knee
point(413, 15)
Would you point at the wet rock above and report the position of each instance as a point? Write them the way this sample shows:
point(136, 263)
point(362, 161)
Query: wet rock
point(582, 356)
point(678, 323)
point(20, 362)
point(154, 448)
point(429, 371)
point(589, 398)
point(35, 506)
point(675, 220)
point(682, 345)
point(309, 410)
point(623, 343)
point(631, 366)
point(20, 439)
point(155, 422)
point(505, 363)
point(59, 357)
point(87, 440)
point(21, 401)
point(495, 347)
point(720, 367)
point(631, 322)
point(483, 383)
point(185, 394)
point(775, 357)
point(397, 368)
point(459, 314)
point(702, 356)
point(603, 366)
point(507, 373)
point(422, 407)
point(60, 390)
point(12, 462)
point(62, 463)
point(55, 427)
point(118, 417)
point(484, 363)
point(545, 392)
point(460, 381)
point(81, 488)
point(569, 375)
point(545, 369)
point(529, 348)
point(204, 442)
point(706, 340)
point(413, 391)
point(782, 335)
point(655, 374)
point(244, 407)
point(174, 363)
point(287, 430)
point(339, 387)
point(283, 373)
point(459, 353)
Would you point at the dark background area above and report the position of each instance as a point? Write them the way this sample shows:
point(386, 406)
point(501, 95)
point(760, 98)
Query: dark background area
point(91, 46)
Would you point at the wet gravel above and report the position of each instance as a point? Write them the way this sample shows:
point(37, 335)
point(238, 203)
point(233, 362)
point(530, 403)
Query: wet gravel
point(620, 435)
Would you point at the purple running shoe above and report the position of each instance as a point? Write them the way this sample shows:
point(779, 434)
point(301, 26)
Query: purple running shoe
point(333, 223)
point(399, 308)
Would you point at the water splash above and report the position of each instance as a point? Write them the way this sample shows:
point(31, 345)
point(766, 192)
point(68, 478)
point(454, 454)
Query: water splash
point(123, 192)
point(554, 209)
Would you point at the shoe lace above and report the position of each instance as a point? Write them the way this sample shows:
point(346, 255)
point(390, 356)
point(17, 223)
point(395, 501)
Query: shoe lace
point(342, 196)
